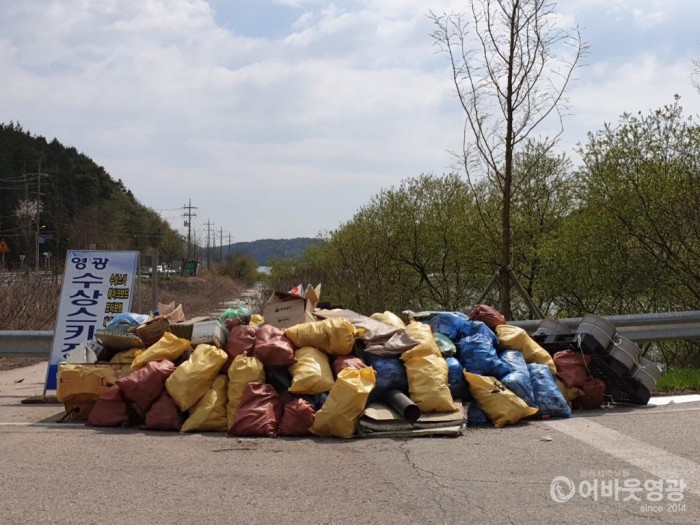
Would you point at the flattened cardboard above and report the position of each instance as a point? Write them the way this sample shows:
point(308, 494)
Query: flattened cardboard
point(118, 341)
point(382, 421)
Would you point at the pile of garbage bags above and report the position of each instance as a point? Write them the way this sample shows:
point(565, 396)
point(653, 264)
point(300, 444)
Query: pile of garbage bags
point(318, 377)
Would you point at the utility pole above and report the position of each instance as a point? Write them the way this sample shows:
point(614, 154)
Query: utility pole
point(37, 218)
point(228, 251)
point(189, 215)
point(209, 225)
point(221, 245)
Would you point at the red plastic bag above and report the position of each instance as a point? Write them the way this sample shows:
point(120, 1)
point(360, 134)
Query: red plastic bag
point(595, 391)
point(298, 416)
point(164, 414)
point(259, 412)
point(347, 361)
point(143, 386)
point(110, 410)
point(487, 315)
point(273, 347)
point(572, 367)
point(240, 341)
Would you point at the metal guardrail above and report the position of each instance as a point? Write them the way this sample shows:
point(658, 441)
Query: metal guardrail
point(640, 328)
point(20, 343)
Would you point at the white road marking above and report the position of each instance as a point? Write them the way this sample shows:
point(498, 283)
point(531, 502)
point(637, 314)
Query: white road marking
point(673, 400)
point(656, 461)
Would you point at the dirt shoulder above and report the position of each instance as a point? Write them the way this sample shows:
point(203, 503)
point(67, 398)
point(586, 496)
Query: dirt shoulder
point(10, 362)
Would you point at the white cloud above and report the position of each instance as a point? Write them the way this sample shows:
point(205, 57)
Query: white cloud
point(351, 98)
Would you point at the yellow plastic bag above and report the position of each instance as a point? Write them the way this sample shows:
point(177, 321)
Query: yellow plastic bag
point(242, 371)
point(312, 373)
point(209, 414)
point(256, 320)
point(389, 318)
point(333, 336)
point(501, 405)
point(422, 333)
point(345, 403)
point(194, 377)
point(169, 347)
point(126, 357)
point(515, 338)
point(427, 380)
point(569, 393)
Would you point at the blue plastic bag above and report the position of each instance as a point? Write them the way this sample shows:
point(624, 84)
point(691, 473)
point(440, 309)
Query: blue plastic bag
point(390, 372)
point(318, 400)
point(548, 397)
point(518, 381)
point(476, 417)
point(455, 378)
point(451, 324)
point(477, 354)
point(456, 326)
point(122, 322)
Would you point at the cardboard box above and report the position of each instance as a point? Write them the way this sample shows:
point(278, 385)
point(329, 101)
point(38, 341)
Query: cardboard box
point(284, 309)
point(209, 333)
point(183, 329)
point(79, 385)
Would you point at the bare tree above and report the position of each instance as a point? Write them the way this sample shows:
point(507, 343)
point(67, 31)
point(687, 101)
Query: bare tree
point(510, 68)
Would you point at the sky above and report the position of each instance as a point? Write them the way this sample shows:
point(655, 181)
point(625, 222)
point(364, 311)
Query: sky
point(281, 118)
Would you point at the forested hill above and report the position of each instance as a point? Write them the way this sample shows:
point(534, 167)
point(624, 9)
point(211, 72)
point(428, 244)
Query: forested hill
point(63, 199)
point(264, 250)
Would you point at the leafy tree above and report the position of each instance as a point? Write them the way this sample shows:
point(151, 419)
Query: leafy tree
point(242, 268)
point(644, 175)
point(510, 68)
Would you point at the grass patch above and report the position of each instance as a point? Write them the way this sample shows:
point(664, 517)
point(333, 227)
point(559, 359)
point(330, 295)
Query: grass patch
point(679, 379)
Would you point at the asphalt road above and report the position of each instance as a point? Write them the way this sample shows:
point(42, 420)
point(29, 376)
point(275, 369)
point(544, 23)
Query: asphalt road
point(68, 473)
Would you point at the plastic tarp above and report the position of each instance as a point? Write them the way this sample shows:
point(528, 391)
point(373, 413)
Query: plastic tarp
point(378, 337)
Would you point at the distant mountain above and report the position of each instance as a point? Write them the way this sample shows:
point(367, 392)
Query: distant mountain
point(264, 250)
